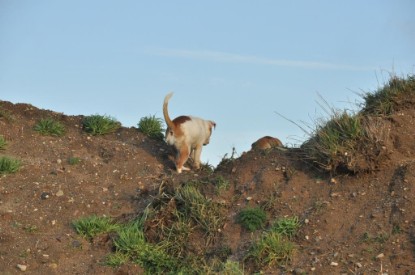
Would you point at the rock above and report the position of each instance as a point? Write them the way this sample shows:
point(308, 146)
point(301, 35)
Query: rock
point(53, 265)
point(59, 193)
point(299, 271)
point(334, 264)
point(359, 265)
point(380, 256)
point(334, 195)
point(45, 195)
point(76, 244)
point(22, 267)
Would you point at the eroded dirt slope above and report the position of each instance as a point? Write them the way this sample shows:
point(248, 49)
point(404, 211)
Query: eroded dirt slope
point(351, 224)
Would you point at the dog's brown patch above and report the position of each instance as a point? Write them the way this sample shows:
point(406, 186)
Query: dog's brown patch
point(180, 120)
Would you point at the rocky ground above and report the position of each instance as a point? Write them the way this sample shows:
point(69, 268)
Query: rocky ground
point(350, 224)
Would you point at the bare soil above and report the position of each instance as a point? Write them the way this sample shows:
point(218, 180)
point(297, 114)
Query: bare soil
point(351, 224)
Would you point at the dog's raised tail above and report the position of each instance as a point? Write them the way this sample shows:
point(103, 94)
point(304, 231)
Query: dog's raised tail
point(169, 123)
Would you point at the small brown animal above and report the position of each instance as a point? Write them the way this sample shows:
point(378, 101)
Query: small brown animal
point(187, 134)
point(266, 142)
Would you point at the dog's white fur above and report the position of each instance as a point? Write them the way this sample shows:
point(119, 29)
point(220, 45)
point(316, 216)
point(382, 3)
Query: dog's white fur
point(187, 134)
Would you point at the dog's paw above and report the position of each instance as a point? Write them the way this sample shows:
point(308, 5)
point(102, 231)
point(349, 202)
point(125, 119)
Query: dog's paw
point(183, 168)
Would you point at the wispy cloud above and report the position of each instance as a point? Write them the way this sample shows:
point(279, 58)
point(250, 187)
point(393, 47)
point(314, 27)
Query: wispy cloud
point(222, 57)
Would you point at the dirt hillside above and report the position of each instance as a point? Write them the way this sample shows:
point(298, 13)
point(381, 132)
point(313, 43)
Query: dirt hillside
point(350, 223)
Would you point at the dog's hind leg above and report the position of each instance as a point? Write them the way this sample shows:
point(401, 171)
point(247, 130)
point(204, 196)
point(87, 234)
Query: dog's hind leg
point(182, 157)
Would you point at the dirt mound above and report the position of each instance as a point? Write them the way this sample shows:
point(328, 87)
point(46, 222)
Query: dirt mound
point(350, 224)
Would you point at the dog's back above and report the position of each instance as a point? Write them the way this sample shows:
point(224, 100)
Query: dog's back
point(266, 142)
point(197, 130)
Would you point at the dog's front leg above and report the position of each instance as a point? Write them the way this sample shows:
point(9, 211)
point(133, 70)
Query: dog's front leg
point(197, 151)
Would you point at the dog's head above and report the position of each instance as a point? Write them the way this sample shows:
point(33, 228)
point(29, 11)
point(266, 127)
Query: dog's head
point(170, 139)
point(210, 126)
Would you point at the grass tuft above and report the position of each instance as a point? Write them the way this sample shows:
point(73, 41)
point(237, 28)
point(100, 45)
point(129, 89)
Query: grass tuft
point(116, 259)
point(271, 249)
point(91, 226)
point(286, 226)
point(335, 141)
point(152, 127)
point(9, 165)
point(3, 143)
point(221, 184)
point(232, 268)
point(74, 160)
point(387, 99)
point(100, 125)
point(252, 218)
point(152, 258)
point(356, 142)
point(50, 127)
point(205, 212)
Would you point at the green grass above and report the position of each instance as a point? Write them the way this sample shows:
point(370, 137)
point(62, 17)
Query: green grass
point(9, 165)
point(335, 141)
point(74, 160)
point(176, 236)
point(91, 226)
point(116, 259)
point(131, 241)
point(286, 226)
point(130, 238)
point(3, 143)
point(152, 127)
point(271, 249)
point(176, 216)
point(252, 218)
point(50, 127)
point(203, 211)
point(100, 125)
point(351, 142)
point(221, 184)
point(231, 268)
point(387, 99)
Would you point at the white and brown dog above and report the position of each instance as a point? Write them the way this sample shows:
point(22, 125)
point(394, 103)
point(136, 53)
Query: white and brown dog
point(187, 134)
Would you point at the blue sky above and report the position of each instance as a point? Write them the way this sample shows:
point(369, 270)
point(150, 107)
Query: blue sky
point(236, 62)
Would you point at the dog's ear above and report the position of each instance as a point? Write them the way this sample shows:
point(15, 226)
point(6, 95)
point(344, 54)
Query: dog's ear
point(212, 124)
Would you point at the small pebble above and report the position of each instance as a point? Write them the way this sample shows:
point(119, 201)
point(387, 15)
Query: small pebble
point(76, 244)
point(22, 267)
point(334, 264)
point(380, 256)
point(59, 193)
point(299, 271)
point(44, 195)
